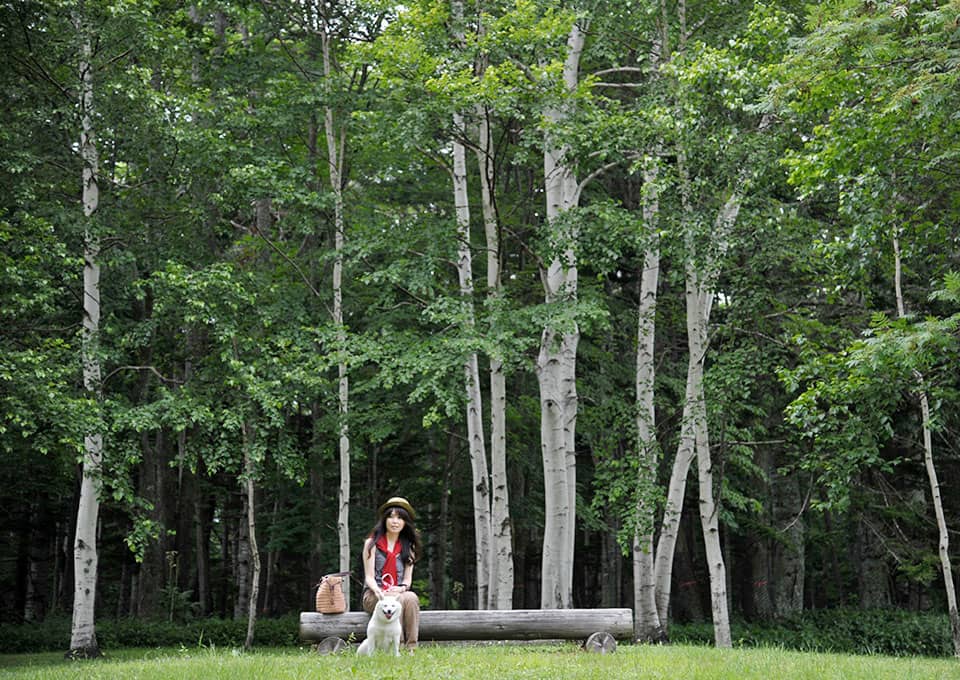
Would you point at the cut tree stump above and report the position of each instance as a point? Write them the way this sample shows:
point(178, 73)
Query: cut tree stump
point(331, 645)
point(600, 643)
point(488, 624)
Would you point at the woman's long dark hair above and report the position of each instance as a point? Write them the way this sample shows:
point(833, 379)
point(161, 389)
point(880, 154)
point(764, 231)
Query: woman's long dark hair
point(410, 549)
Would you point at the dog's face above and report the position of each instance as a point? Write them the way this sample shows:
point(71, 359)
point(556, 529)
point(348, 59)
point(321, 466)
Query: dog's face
point(388, 608)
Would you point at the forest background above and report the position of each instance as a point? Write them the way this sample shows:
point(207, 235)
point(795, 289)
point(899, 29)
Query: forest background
point(529, 264)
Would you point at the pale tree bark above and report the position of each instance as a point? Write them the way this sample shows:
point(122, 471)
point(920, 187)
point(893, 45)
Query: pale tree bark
point(249, 474)
point(701, 269)
point(943, 547)
point(557, 359)
point(471, 374)
point(336, 146)
point(673, 508)
point(501, 532)
point(471, 369)
point(676, 489)
point(686, 447)
point(83, 638)
point(647, 624)
point(701, 276)
point(698, 300)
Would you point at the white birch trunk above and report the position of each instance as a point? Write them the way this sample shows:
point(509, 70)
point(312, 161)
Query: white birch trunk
point(673, 508)
point(702, 283)
point(698, 313)
point(83, 638)
point(483, 554)
point(501, 553)
point(701, 277)
point(471, 373)
point(686, 448)
point(250, 489)
point(694, 438)
point(335, 154)
point(557, 366)
point(943, 546)
point(647, 624)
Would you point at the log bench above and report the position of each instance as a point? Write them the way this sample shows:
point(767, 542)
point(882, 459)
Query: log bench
point(502, 624)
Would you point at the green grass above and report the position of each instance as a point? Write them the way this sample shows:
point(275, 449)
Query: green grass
point(486, 663)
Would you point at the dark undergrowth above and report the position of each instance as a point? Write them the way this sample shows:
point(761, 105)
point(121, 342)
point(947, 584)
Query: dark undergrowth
point(890, 632)
point(887, 632)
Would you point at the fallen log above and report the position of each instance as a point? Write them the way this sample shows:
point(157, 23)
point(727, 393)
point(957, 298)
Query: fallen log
point(489, 624)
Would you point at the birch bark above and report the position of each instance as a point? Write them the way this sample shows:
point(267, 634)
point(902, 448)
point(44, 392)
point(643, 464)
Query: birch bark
point(647, 622)
point(698, 299)
point(673, 508)
point(501, 549)
point(557, 361)
point(336, 146)
point(471, 374)
point(701, 276)
point(943, 547)
point(471, 368)
point(249, 473)
point(83, 638)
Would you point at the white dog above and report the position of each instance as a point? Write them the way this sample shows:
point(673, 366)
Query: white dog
point(383, 630)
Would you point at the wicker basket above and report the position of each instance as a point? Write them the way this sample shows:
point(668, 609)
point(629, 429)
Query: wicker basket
point(330, 598)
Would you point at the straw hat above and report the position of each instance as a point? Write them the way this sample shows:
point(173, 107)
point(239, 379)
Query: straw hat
point(397, 502)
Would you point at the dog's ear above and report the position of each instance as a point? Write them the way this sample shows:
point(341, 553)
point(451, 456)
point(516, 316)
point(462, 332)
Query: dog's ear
point(380, 595)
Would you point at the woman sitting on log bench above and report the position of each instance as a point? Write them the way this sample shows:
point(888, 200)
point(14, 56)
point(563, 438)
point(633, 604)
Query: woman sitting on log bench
point(389, 554)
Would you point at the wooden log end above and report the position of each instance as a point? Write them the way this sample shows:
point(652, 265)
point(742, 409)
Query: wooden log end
point(600, 643)
point(332, 645)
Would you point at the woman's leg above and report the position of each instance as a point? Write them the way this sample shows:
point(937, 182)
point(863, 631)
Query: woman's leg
point(410, 619)
point(369, 600)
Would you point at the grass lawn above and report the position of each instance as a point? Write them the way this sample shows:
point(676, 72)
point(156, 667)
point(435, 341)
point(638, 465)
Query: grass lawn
point(486, 663)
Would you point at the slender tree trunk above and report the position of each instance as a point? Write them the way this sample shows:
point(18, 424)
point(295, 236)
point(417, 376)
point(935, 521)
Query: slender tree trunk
point(203, 520)
point(335, 155)
point(471, 370)
point(694, 438)
point(83, 638)
point(249, 473)
point(673, 508)
point(686, 450)
point(943, 546)
point(701, 277)
point(647, 623)
point(698, 312)
point(557, 362)
point(238, 530)
point(501, 553)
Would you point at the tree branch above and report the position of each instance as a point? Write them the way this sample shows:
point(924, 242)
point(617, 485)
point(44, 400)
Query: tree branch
point(151, 369)
point(279, 252)
point(619, 69)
